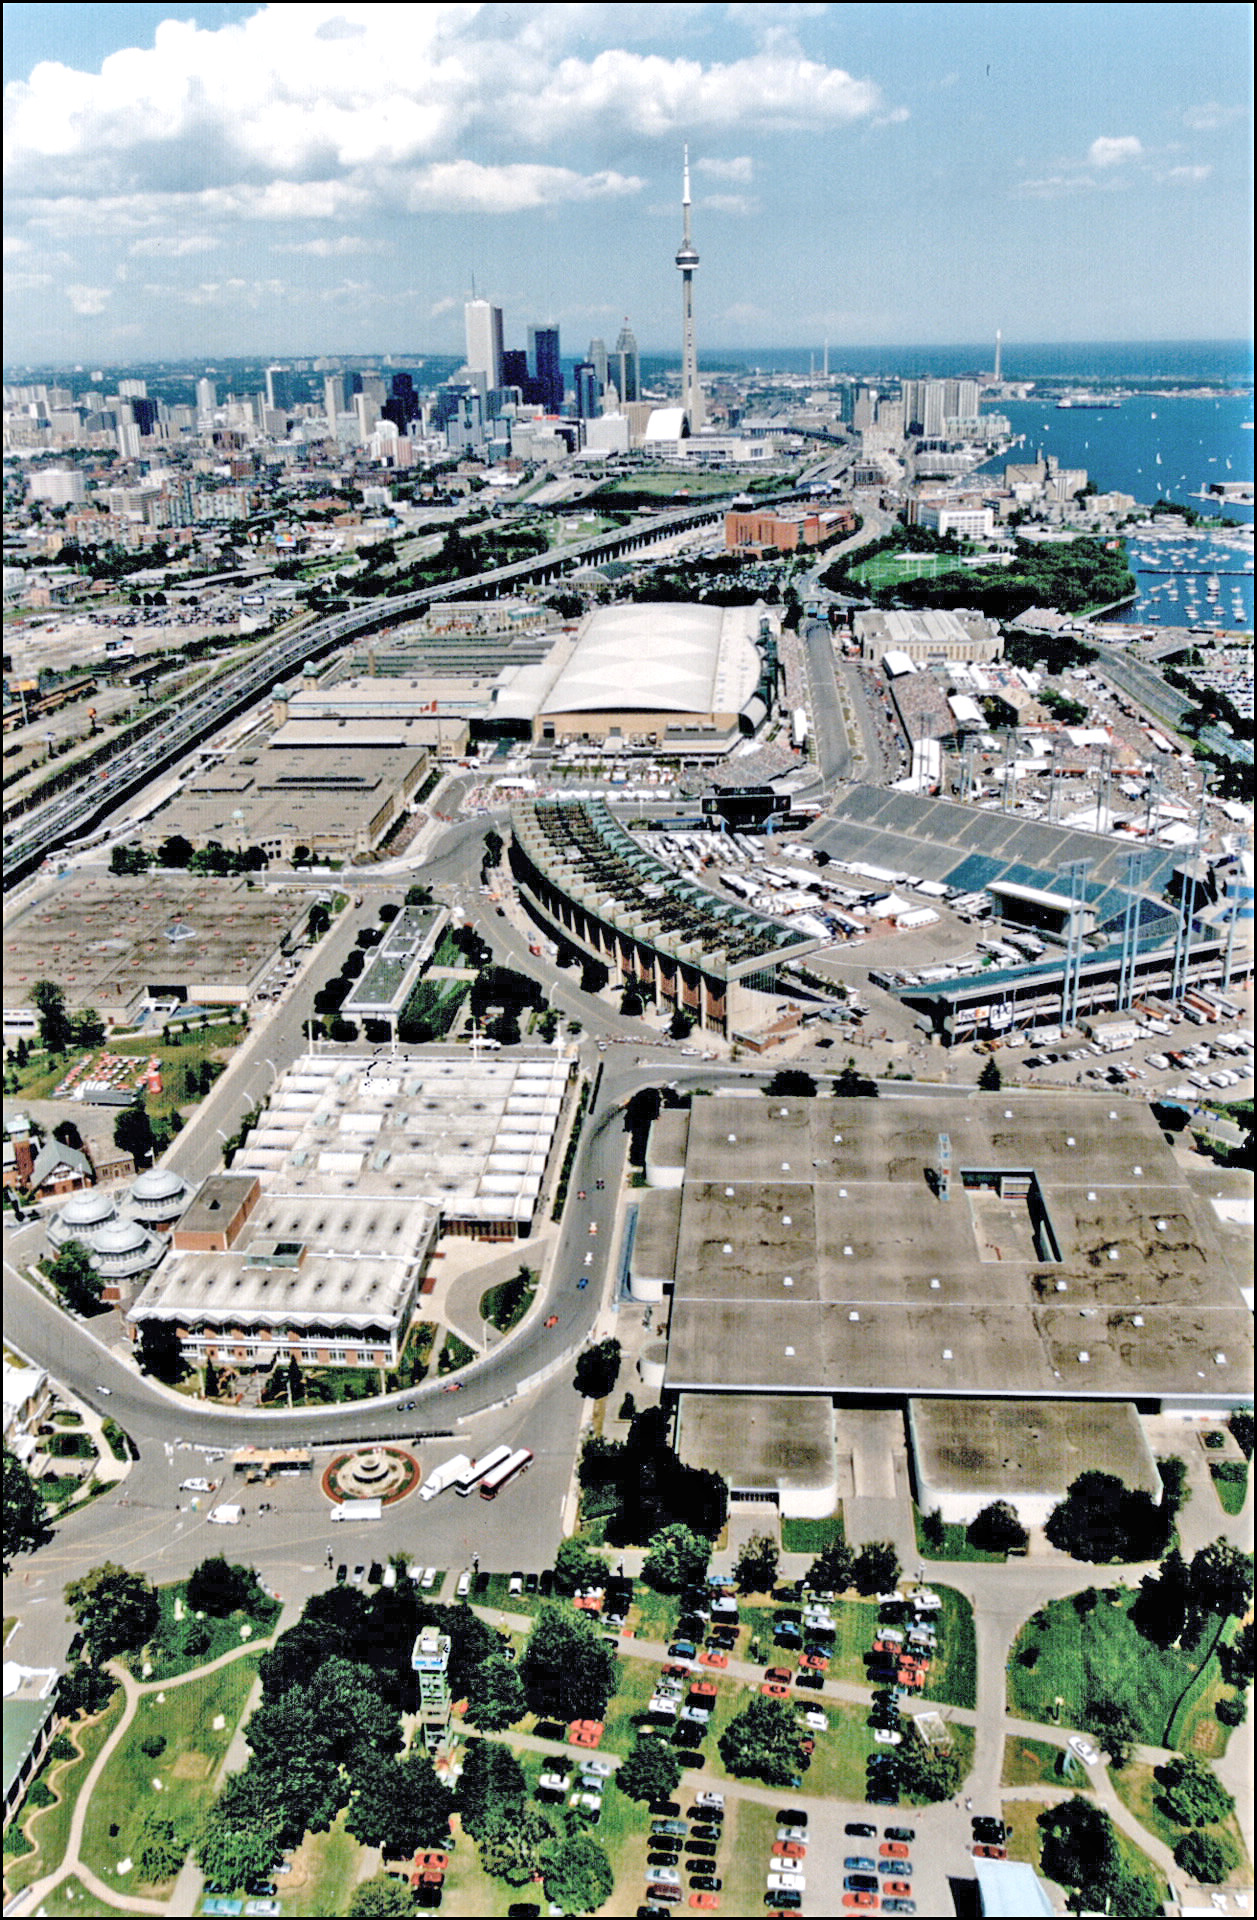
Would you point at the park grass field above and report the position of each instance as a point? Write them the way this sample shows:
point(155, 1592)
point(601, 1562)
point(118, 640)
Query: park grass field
point(50, 1827)
point(187, 1767)
point(224, 1634)
point(890, 569)
point(1103, 1655)
point(1034, 1763)
point(811, 1536)
point(1136, 1786)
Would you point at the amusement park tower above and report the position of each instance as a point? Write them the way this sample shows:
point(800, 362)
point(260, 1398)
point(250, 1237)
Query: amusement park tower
point(687, 260)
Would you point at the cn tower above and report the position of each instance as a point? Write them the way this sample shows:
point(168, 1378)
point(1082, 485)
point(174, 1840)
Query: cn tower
point(687, 260)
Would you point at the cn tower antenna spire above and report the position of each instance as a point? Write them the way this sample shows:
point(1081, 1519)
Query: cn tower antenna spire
point(687, 260)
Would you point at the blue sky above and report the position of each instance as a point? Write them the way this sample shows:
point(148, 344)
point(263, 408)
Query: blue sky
point(304, 178)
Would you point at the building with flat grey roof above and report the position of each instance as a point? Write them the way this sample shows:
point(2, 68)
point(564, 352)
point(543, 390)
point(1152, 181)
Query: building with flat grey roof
point(395, 965)
point(314, 1246)
point(320, 1280)
point(926, 635)
point(968, 1453)
point(116, 943)
point(767, 1448)
point(302, 788)
point(470, 1136)
point(1070, 1259)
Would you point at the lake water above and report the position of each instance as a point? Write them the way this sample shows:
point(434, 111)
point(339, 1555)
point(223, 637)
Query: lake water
point(1170, 448)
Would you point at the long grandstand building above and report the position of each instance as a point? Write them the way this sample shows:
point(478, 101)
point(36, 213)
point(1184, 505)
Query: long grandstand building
point(592, 886)
point(1123, 918)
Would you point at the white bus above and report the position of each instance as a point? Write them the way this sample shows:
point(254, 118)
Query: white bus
point(470, 1476)
point(493, 1483)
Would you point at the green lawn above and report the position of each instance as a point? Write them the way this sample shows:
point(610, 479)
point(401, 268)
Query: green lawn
point(953, 1676)
point(41, 1077)
point(72, 1897)
point(888, 569)
point(811, 1536)
point(955, 1543)
point(51, 1826)
point(749, 1834)
point(328, 1867)
point(1230, 1483)
point(187, 1767)
point(1137, 1787)
point(1033, 1763)
point(652, 1615)
point(1105, 1655)
point(166, 1651)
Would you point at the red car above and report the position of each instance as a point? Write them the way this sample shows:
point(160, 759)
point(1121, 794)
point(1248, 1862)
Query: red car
point(553, 1321)
point(789, 1849)
point(451, 1386)
point(708, 1900)
point(814, 1662)
point(894, 1850)
point(712, 1657)
point(775, 1690)
point(867, 1901)
point(991, 1853)
point(703, 1690)
point(902, 1889)
point(432, 1862)
point(779, 1673)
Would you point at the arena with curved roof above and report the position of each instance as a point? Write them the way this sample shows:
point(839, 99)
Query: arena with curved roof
point(643, 673)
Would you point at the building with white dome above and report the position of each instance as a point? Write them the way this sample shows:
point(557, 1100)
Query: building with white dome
point(158, 1197)
point(123, 1249)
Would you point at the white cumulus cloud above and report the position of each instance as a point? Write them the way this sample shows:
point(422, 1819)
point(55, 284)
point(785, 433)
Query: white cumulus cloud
point(1114, 152)
point(740, 168)
point(87, 301)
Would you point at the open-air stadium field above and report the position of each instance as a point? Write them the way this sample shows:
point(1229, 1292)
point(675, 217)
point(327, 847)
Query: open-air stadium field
point(889, 569)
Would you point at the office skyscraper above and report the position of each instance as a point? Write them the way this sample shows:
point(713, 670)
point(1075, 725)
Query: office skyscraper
point(279, 389)
point(588, 390)
point(999, 355)
point(333, 398)
point(206, 395)
point(687, 260)
point(597, 358)
point(547, 369)
point(515, 369)
point(484, 340)
point(626, 371)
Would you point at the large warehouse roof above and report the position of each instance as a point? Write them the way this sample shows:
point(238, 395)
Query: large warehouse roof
point(1072, 1257)
point(662, 658)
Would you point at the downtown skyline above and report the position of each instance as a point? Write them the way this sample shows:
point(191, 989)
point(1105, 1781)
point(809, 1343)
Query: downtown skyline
point(331, 178)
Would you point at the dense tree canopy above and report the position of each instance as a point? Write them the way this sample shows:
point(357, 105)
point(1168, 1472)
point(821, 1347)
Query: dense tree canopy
point(383, 1895)
point(512, 1844)
point(116, 1610)
point(230, 1853)
point(399, 1805)
point(576, 1564)
point(997, 1529)
point(764, 1742)
point(876, 1568)
point(495, 1695)
point(491, 1785)
point(577, 1873)
point(598, 1369)
point(678, 1557)
point(651, 1771)
point(755, 1569)
point(75, 1277)
point(1101, 1520)
point(23, 1510)
point(1191, 1793)
point(567, 1668)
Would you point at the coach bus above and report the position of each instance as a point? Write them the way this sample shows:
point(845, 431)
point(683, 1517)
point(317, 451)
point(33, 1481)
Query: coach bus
point(493, 1482)
point(469, 1478)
